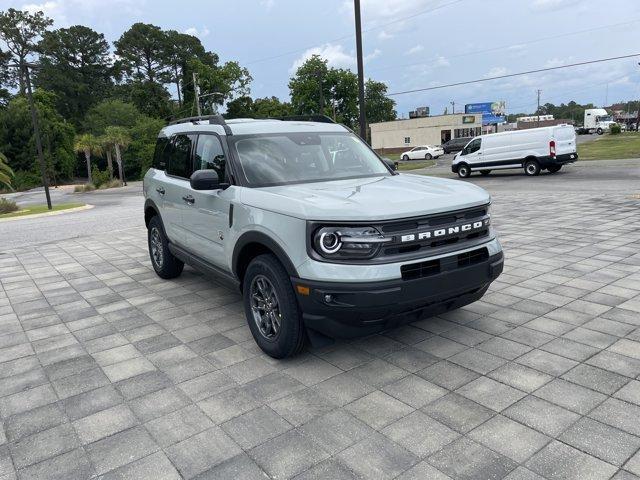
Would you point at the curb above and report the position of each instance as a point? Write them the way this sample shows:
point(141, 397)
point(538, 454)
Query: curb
point(47, 214)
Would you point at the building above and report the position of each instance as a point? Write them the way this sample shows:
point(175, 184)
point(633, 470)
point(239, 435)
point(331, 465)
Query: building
point(402, 134)
point(523, 125)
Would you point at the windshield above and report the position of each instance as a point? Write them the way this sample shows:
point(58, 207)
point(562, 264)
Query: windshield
point(279, 159)
point(604, 118)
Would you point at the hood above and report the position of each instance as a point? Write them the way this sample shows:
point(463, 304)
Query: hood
point(383, 198)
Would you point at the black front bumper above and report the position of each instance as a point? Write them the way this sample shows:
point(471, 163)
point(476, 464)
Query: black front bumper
point(343, 310)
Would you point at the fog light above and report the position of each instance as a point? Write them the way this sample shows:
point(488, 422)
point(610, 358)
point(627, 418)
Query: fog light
point(328, 298)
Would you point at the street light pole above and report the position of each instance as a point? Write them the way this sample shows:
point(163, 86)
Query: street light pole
point(36, 133)
point(363, 118)
point(453, 107)
point(638, 117)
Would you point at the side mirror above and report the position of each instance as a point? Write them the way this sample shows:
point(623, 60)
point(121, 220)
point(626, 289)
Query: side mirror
point(206, 180)
point(390, 164)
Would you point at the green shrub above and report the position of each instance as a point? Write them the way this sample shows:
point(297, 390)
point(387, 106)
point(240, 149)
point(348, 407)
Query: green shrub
point(7, 206)
point(88, 187)
point(99, 178)
point(25, 180)
point(615, 129)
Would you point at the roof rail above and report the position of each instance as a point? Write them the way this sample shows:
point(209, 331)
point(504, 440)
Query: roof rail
point(213, 120)
point(306, 118)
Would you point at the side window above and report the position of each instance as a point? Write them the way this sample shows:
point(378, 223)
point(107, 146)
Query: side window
point(210, 156)
point(160, 153)
point(180, 156)
point(474, 146)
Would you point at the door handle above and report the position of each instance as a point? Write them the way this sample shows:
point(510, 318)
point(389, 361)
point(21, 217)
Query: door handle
point(189, 199)
point(160, 190)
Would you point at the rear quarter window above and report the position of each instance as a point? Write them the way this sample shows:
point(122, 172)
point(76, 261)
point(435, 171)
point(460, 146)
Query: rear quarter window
point(160, 154)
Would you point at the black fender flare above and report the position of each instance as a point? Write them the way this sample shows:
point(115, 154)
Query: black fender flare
point(262, 239)
point(150, 204)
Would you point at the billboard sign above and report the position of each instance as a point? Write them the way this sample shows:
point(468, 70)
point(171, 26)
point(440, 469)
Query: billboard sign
point(492, 112)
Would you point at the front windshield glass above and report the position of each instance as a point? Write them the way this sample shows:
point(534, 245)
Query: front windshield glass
point(604, 118)
point(278, 159)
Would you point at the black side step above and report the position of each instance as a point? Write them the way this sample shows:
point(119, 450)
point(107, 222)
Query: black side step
point(204, 266)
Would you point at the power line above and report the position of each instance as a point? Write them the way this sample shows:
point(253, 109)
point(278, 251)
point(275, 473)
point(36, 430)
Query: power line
point(502, 47)
point(351, 35)
point(479, 80)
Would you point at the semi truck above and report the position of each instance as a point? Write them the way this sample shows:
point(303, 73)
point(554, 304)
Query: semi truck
point(596, 120)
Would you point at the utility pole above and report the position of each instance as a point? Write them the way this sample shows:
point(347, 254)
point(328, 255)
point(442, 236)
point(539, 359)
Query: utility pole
point(453, 107)
point(538, 111)
point(196, 92)
point(36, 133)
point(321, 103)
point(638, 117)
point(363, 118)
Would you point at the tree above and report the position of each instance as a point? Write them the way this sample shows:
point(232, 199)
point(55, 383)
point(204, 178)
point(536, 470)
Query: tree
point(107, 146)
point(111, 113)
point(246, 107)
point(378, 106)
point(142, 52)
point(75, 63)
point(88, 144)
point(20, 32)
point(6, 174)
point(180, 48)
point(17, 141)
point(139, 155)
point(304, 86)
point(120, 139)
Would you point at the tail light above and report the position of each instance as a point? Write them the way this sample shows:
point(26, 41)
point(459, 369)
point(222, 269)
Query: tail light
point(552, 149)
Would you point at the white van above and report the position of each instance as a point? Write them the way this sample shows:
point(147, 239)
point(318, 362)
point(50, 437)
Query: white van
point(534, 149)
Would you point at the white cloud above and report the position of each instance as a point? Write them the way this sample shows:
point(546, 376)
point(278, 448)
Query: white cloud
point(51, 9)
point(267, 4)
point(67, 12)
point(442, 61)
point(550, 5)
point(335, 55)
point(415, 49)
point(204, 32)
point(496, 72)
point(384, 35)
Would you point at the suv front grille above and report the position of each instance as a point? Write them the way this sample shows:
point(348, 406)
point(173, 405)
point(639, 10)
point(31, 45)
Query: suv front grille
point(414, 271)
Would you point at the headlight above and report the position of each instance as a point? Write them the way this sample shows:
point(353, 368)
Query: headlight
point(348, 242)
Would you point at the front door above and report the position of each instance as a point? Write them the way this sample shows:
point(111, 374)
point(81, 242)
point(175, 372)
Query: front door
point(473, 153)
point(445, 136)
point(207, 219)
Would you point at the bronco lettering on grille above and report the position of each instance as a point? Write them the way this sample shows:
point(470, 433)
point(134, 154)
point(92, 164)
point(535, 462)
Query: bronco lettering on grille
point(446, 231)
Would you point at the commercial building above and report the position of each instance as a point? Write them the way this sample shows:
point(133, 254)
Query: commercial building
point(402, 134)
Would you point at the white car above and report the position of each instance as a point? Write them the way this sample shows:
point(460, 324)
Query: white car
point(423, 151)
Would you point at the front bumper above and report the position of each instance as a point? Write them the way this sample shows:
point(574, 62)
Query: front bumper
point(343, 310)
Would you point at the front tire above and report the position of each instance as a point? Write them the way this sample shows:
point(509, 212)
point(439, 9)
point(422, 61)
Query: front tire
point(271, 308)
point(165, 264)
point(532, 168)
point(464, 171)
point(405, 158)
point(599, 131)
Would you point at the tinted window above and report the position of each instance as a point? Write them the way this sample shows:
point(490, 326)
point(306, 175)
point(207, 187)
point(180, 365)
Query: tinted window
point(210, 156)
point(474, 146)
point(160, 153)
point(180, 156)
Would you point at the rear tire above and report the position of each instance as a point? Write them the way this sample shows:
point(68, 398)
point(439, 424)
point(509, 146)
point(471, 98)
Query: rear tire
point(554, 168)
point(485, 172)
point(532, 168)
point(165, 264)
point(271, 308)
point(464, 171)
point(428, 156)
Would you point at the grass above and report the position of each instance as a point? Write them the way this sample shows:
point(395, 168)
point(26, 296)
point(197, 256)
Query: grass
point(414, 165)
point(611, 147)
point(32, 210)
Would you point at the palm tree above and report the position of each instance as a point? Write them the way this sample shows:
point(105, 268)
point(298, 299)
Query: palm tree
point(107, 147)
point(88, 144)
point(120, 139)
point(5, 171)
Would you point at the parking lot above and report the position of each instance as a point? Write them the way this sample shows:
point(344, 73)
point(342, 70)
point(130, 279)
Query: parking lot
point(107, 371)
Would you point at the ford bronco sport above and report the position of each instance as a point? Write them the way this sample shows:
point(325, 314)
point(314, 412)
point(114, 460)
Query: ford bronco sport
point(321, 236)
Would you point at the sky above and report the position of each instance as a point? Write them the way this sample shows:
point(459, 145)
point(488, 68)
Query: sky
point(408, 44)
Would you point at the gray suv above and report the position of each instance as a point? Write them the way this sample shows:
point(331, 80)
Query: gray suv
point(321, 236)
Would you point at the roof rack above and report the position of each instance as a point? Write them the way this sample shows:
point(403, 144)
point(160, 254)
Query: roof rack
point(306, 118)
point(213, 120)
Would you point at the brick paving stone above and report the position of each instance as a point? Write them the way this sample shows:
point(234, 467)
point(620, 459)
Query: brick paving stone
point(420, 434)
point(544, 416)
point(570, 396)
point(560, 461)
point(255, 427)
point(154, 467)
point(619, 414)
point(240, 467)
point(494, 395)
point(336, 430)
point(104, 423)
point(378, 409)
point(458, 412)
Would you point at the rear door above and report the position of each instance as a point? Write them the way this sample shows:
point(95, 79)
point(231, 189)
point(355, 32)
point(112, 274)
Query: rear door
point(565, 138)
point(177, 196)
point(206, 220)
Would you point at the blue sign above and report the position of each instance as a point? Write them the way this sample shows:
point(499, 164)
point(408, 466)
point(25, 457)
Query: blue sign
point(492, 112)
point(478, 108)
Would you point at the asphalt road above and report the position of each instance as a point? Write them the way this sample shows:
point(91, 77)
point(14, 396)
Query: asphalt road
point(121, 209)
